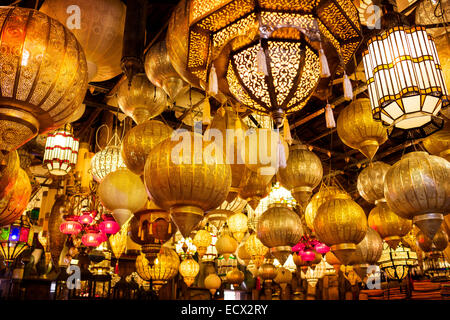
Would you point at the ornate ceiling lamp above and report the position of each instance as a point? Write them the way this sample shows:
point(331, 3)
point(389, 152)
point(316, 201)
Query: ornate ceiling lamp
point(44, 75)
point(15, 201)
point(370, 182)
point(254, 187)
point(61, 151)
point(238, 225)
point(235, 277)
point(268, 51)
point(202, 240)
point(226, 245)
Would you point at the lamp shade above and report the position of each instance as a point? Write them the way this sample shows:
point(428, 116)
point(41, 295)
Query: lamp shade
point(106, 161)
point(71, 225)
point(92, 238)
point(61, 151)
point(44, 77)
point(109, 225)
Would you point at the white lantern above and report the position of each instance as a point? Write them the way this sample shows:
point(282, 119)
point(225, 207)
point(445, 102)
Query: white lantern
point(61, 151)
point(106, 161)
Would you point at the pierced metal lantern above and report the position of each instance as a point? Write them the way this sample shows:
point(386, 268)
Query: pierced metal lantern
point(438, 143)
point(106, 161)
point(189, 269)
point(405, 82)
point(61, 151)
point(370, 181)
point(15, 238)
point(367, 252)
point(396, 263)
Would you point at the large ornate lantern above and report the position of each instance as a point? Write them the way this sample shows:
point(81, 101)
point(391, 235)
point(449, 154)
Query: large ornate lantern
point(397, 262)
point(15, 238)
point(238, 225)
point(44, 75)
point(235, 277)
point(106, 161)
point(202, 240)
point(405, 81)
point(14, 202)
point(61, 151)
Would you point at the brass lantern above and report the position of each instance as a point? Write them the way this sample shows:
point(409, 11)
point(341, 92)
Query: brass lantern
point(242, 254)
point(438, 143)
point(226, 245)
point(219, 216)
point(256, 249)
point(98, 26)
point(140, 140)
point(141, 100)
point(283, 277)
point(189, 269)
point(358, 130)
point(417, 187)
point(389, 225)
point(237, 224)
point(370, 181)
point(202, 240)
point(160, 71)
point(254, 187)
point(341, 224)
point(15, 201)
point(106, 161)
point(302, 174)
point(279, 228)
point(235, 277)
point(44, 75)
point(439, 242)
point(397, 262)
point(212, 282)
point(267, 272)
point(367, 252)
point(9, 172)
point(189, 185)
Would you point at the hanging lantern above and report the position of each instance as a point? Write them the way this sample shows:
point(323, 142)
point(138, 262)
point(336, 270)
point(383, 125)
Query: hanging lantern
point(186, 190)
point(106, 161)
point(302, 174)
point(367, 252)
point(438, 143)
point(123, 193)
point(92, 238)
point(213, 283)
point(279, 228)
point(141, 101)
point(86, 218)
point(194, 103)
point(439, 242)
point(219, 216)
point(109, 225)
point(118, 242)
point(238, 225)
point(254, 187)
point(14, 202)
point(9, 172)
point(267, 272)
point(341, 224)
point(405, 96)
point(370, 181)
point(270, 66)
point(44, 79)
point(396, 263)
point(242, 255)
point(390, 226)
point(202, 240)
point(283, 277)
point(99, 29)
point(140, 140)
point(189, 269)
point(61, 151)
point(235, 277)
point(15, 238)
point(256, 249)
point(160, 71)
point(358, 130)
point(416, 187)
point(226, 245)
point(70, 225)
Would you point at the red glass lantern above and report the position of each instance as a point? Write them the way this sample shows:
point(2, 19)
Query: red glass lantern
point(308, 255)
point(109, 225)
point(85, 219)
point(321, 248)
point(92, 238)
point(71, 225)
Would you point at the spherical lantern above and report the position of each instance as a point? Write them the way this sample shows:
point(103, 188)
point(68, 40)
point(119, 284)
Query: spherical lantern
point(439, 242)
point(202, 240)
point(367, 252)
point(189, 269)
point(44, 79)
point(390, 226)
point(238, 225)
point(235, 277)
point(61, 151)
point(71, 225)
point(13, 203)
point(370, 181)
point(212, 282)
point(109, 225)
point(123, 193)
point(417, 187)
point(254, 187)
point(9, 172)
point(341, 224)
point(106, 161)
point(302, 174)
point(279, 228)
point(160, 71)
point(140, 140)
point(188, 186)
point(358, 130)
point(325, 193)
point(226, 245)
point(267, 272)
point(98, 26)
point(141, 101)
point(438, 143)
point(256, 249)
point(92, 238)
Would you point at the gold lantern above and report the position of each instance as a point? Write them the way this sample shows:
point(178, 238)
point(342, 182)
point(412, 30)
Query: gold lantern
point(106, 161)
point(61, 151)
point(44, 75)
point(15, 201)
point(141, 100)
point(237, 224)
point(189, 185)
point(416, 187)
point(235, 277)
point(254, 187)
point(302, 174)
point(189, 269)
point(389, 225)
point(98, 26)
point(439, 242)
point(192, 101)
point(212, 282)
point(256, 249)
point(367, 252)
point(341, 224)
point(370, 181)
point(397, 262)
point(242, 254)
point(160, 71)
point(279, 228)
point(438, 143)
point(123, 193)
point(140, 140)
point(324, 194)
point(219, 216)
point(267, 272)
point(202, 240)
point(358, 130)
point(9, 171)
point(118, 241)
point(226, 245)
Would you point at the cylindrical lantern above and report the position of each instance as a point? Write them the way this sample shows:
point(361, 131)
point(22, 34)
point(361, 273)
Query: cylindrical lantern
point(70, 225)
point(61, 151)
point(106, 161)
point(370, 181)
point(189, 269)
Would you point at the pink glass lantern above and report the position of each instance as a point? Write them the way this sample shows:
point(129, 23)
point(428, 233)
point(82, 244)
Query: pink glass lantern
point(109, 225)
point(86, 219)
point(308, 255)
point(321, 248)
point(70, 226)
point(92, 238)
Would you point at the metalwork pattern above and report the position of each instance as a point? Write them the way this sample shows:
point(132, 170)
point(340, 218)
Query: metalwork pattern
point(106, 161)
point(369, 250)
point(438, 143)
point(370, 182)
point(164, 269)
point(13, 203)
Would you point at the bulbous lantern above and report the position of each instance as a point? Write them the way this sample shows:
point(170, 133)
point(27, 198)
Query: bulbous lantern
point(193, 181)
point(279, 228)
point(219, 216)
point(189, 269)
point(256, 249)
point(238, 225)
point(302, 174)
point(438, 243)
point(438, 143)
point(370, 181)
point(254, 187)
point(226, 245)
point(14, 201)
point(367, 252)
point(213, 283)
point(202, 240)
point(235, 277)
point(44, 75)
point(417, 187)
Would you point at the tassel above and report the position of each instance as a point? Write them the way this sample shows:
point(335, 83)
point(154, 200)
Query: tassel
point(206, 111)
point(213, 83)
point(261, 62)
point(348, 90)
point(287, 131)
point(281, 155)
point(324, 68)
point(258, 283)
point(116, 269)
point(329, 117)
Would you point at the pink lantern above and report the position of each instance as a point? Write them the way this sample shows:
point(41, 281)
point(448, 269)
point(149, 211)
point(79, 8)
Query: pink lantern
point(92, 238)
point(308, 255)
point(321, 248)
point(70, 226)
point(299, 247)
point(109, 225)
point(85, 219)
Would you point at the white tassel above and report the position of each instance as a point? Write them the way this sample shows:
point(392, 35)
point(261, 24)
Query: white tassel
point(348, 90)
point(206, 111)
point(287, 131)
point(324, 68)
point(329, 117)
point(213, 83)
point(281, 155)
point(261, 62)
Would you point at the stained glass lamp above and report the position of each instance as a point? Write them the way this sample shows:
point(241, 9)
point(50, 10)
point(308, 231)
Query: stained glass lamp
point(15, 238)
